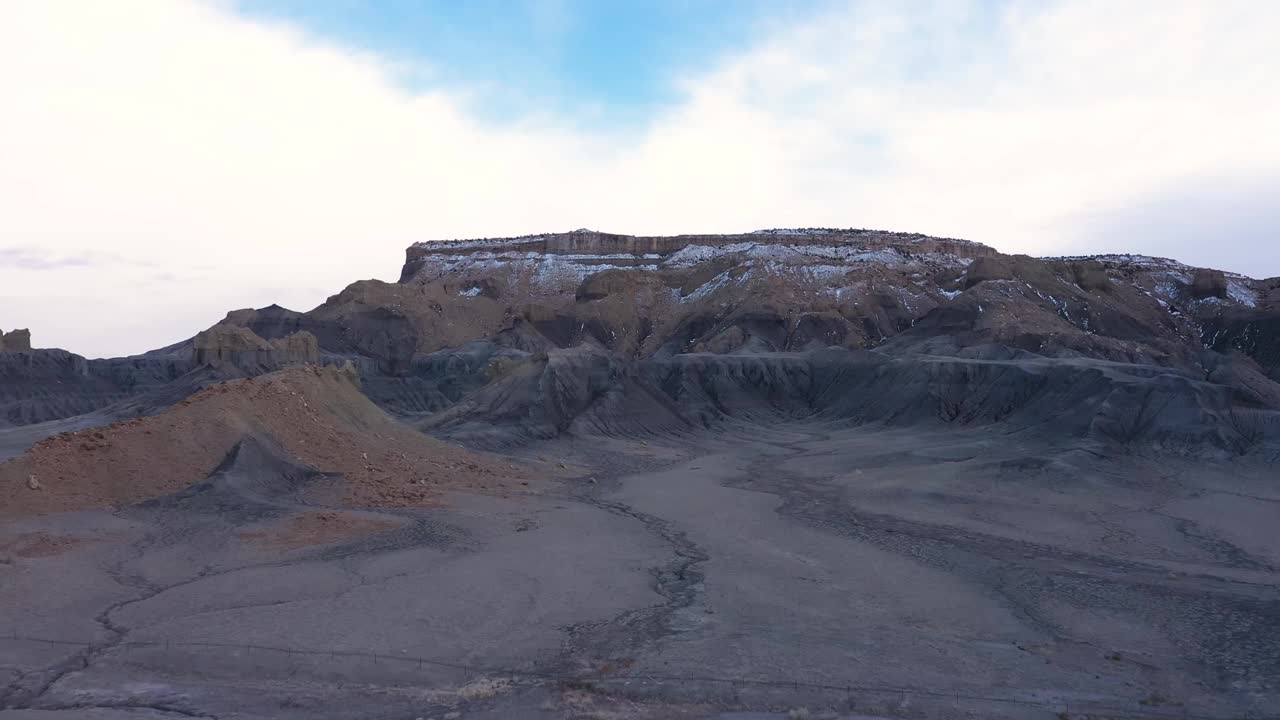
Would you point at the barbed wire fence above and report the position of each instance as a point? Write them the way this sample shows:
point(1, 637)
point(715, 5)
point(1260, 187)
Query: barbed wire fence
point(884, 699)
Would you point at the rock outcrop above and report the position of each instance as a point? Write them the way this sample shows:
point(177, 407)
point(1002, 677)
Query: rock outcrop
point(15, 341)
point(241, 348)
point(1207, 284)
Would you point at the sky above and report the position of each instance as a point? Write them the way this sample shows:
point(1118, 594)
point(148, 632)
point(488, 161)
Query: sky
point(165, 161)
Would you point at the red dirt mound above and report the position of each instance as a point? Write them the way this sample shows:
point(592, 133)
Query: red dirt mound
point(318, 416)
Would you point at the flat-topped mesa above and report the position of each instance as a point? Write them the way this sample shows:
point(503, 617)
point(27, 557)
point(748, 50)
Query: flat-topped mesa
point(588, 247)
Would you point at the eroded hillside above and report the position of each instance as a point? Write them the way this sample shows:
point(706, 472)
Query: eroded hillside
point(495, 341)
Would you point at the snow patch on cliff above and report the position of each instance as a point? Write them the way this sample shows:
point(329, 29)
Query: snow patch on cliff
point(711, 286)
point(796, 254)
point(542, 271)
point(1240, 292)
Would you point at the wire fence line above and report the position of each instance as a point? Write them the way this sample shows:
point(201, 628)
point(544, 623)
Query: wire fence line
point(1063, 706)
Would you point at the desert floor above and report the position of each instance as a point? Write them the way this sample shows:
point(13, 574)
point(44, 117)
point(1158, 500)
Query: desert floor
point(790, 570)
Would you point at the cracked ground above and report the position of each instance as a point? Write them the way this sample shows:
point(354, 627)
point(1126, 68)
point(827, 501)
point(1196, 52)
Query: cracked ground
point(800, 570)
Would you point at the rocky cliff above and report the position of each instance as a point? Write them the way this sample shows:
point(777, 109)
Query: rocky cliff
point(588, 249)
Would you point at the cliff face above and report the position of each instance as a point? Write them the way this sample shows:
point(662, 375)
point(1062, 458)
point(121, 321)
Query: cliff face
point(549, 260)
point(588, 247)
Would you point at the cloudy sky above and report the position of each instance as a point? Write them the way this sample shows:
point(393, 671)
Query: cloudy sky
point(164, 161)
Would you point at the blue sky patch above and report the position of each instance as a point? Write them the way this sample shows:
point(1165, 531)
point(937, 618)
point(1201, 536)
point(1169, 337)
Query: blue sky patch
point(595, 63)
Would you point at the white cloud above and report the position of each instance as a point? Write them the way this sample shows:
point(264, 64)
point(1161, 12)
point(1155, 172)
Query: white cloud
point(255, 165)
